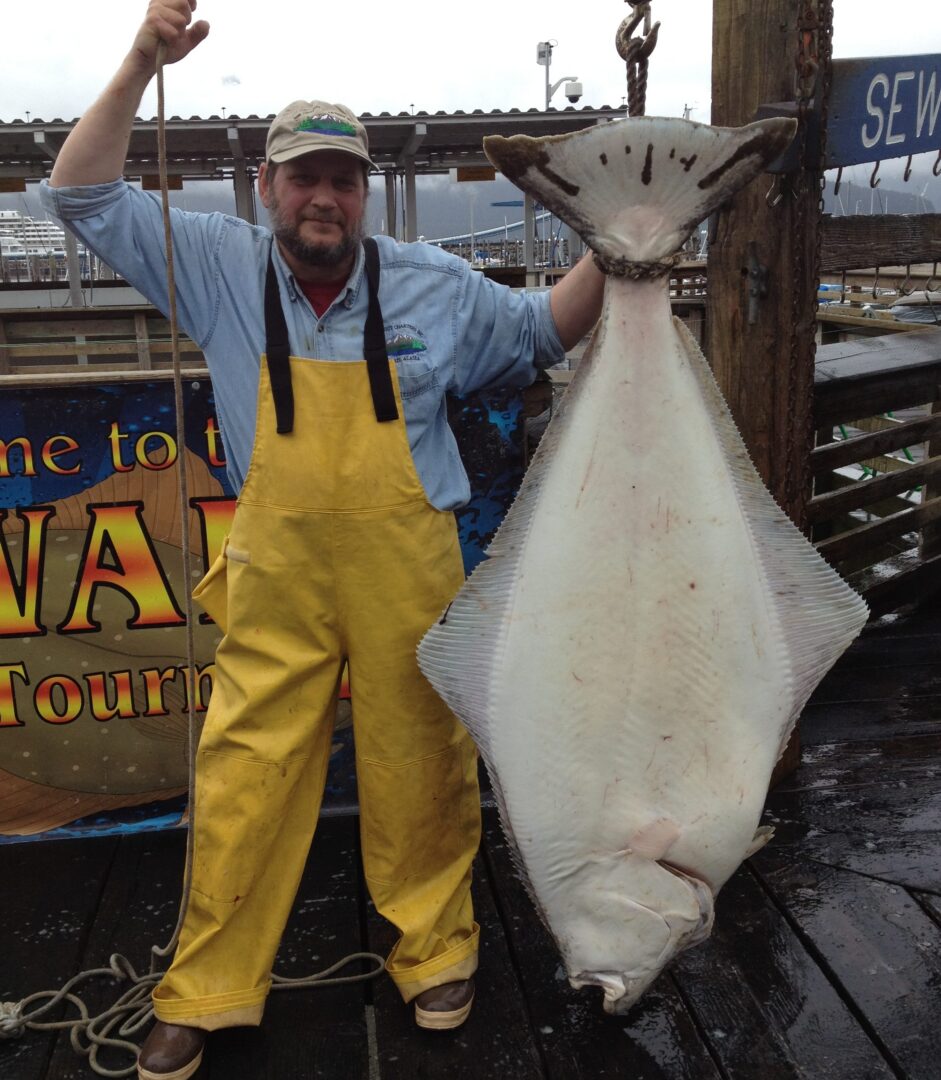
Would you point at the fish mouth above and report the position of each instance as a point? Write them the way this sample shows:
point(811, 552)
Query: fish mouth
point(621, 991)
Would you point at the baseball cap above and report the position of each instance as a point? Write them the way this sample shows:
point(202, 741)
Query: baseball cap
point(306, 126)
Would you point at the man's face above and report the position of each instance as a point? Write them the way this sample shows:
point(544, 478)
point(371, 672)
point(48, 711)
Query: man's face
point(316, 205)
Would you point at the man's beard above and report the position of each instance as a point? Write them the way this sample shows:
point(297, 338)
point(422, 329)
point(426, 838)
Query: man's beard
point(320, 256)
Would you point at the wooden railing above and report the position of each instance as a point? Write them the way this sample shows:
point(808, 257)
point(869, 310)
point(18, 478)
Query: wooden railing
point(109, 339)
point(876, 508)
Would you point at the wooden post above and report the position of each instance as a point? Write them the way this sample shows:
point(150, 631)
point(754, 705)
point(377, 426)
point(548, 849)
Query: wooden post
point(763, 358)
point(4, 352)
point(765, 368)
point(144, 360)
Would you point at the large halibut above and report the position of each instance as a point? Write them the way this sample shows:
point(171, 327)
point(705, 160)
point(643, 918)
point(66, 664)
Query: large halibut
point(633, 654)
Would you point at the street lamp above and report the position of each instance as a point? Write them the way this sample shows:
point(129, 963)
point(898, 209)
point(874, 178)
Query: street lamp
point(573, 88)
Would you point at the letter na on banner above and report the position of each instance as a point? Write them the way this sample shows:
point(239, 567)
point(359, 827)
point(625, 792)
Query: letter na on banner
point(883, 107)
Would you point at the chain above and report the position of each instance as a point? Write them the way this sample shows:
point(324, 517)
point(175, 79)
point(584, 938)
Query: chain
point(635, 52)
point(814, 71)
point(825, 61)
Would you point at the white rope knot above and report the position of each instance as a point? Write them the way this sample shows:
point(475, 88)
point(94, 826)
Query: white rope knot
point(12, 1024)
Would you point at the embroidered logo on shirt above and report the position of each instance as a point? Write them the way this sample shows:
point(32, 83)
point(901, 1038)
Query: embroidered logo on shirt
point(327, 124)
point(405, 340)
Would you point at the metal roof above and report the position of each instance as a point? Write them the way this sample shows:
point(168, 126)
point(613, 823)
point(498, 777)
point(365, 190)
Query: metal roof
point(203, 147)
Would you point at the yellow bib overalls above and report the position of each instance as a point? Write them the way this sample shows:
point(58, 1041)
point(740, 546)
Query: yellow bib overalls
point(335, 555)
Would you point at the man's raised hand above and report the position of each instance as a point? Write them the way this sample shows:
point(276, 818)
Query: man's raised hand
point(169, 21)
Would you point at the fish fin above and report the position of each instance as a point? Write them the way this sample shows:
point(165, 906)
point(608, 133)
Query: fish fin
point(460, 654)
point(635, 189)
point(762, 835)
point(513, 849)
point(818, 613)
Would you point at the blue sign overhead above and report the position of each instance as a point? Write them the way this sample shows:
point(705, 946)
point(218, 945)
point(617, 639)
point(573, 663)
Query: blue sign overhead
point(884, 107)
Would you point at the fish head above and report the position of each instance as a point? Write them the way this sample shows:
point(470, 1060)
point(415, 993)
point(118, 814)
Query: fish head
point(625, 920)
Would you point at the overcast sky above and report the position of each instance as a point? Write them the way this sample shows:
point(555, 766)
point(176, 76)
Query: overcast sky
point(397, 54)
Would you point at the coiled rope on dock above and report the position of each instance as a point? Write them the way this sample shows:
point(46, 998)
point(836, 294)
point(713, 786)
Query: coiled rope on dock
point(113, 1027)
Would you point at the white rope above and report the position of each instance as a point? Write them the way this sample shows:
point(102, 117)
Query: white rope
point(133, 1009)
point(158, 952)
point(134, 1006)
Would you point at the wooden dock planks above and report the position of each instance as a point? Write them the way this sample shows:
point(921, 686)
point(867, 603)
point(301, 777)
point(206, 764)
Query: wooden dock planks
point(881, 949)
point(824, 963)
point(765, 1007)
point(51, 896)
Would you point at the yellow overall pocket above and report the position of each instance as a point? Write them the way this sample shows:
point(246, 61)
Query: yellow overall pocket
point(212, 591)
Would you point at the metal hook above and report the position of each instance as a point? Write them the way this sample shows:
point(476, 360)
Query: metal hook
point(873, 182)
point(644, 6)
point(906, 176)
point(875, 284)
point(837, 182)
point(936, 168)
point(629, 48)
point(776, 185)
point(903, 291)
point(930, 283)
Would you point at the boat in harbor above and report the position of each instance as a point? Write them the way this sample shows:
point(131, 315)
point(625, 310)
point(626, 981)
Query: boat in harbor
point(34, 249)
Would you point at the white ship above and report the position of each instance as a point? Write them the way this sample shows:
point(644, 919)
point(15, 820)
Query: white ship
point(32, 249)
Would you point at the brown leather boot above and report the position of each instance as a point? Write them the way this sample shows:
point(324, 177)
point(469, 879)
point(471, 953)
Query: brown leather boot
point(445, 1006)
point(171, 1052)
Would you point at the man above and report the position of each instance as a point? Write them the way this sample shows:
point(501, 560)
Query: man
point(343, 547)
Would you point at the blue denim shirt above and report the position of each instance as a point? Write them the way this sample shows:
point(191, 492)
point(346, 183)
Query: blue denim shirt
point(448, 328)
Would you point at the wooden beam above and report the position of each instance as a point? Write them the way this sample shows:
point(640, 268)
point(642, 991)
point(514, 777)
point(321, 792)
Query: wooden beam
point(861, 325)
point(763, 361)
point(917, 585)
point(847, 544)
point(95, 348)
point(836, 455)
point(28, 371)
point(865, 492)
point(867, 376)
point(71, 375)
point(34, 330)
point(42, 141)
point(866, 241)
point(143, 341)
point(4, 352)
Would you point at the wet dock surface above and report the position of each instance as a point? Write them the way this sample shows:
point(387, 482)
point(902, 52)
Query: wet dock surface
point(825, 961)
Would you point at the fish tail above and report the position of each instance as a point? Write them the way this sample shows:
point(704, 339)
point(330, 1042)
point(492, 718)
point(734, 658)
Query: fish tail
point(635, 189)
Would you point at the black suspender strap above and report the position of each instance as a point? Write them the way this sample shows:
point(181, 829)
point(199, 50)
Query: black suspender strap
point(278, 352)
point(374, 342)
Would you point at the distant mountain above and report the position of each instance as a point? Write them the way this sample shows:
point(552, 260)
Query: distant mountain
point(446, 208)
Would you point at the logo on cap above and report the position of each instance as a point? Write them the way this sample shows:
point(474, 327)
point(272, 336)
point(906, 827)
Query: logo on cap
point(326, 125)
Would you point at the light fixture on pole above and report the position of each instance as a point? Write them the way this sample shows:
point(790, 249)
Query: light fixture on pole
point(573, 88)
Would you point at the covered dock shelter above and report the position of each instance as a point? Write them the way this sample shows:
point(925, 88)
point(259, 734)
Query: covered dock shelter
point(231, 148)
